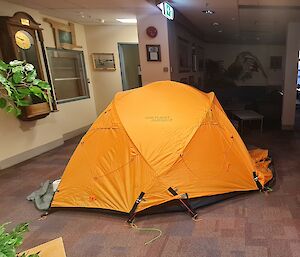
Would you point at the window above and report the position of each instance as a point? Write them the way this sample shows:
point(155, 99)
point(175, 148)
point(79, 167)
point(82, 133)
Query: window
point(68, 74)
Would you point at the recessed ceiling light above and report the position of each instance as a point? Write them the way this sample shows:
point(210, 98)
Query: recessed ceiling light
point(257, 38)
point(220, 31)
point(216, 24)
point(209, 12)
point(233, 18)
point(127, 20)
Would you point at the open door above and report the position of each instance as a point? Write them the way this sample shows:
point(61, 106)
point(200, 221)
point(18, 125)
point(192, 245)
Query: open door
point(130, 65)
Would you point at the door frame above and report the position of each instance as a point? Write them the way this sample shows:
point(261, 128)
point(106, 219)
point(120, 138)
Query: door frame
point(121, 60)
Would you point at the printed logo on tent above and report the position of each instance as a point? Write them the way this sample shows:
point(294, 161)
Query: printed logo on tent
point(159, 118)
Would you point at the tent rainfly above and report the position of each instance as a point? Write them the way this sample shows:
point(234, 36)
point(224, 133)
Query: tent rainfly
point(155, 146)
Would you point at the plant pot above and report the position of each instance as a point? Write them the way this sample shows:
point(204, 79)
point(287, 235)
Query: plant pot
point(34, 112)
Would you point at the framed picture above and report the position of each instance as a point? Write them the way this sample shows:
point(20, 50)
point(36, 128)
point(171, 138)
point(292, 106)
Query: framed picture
point(153, 53)
point(104, 61)
point(183, 53)
point(64, 34)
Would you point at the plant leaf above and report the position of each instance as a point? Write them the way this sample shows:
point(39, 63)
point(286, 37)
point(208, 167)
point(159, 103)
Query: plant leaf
point(31, 76)
point(3, 65)
point(22, 227)
point(34, 255)
point(18, 112)
point(17, 77)
point(36, 82)
point(22, 102)
point(9, 109)
point(24, 91)
point(35, 90)
point(17, 69)
point(44, 85)
point(2, 105)
point(3, 255)
point(2, 79)
point(45, 96)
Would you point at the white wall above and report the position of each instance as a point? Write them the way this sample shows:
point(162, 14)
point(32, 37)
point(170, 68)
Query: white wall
point(105, 39)
point(154, 71)
point(23, 140)
point(228, 53)
point(290, 83)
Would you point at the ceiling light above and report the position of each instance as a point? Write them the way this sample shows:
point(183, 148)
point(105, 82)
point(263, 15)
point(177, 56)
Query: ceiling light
point(216, 24)
point(127, 20)
point(258, 38)
point(220, 31)
point(209, 12)
point(233, 18)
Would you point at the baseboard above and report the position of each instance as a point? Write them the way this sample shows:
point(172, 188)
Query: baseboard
point(6, 163)
point(76, 132)
point(287, 127)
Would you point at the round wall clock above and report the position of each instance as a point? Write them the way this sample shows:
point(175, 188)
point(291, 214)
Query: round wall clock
point(151, 31)
point(22, 39)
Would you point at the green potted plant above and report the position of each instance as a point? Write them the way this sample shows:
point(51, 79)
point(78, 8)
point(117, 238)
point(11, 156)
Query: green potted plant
point(10, 241)
point(21, 92)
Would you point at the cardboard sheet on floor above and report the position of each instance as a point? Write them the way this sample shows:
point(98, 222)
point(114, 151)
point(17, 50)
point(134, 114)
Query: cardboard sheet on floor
point(54, 248)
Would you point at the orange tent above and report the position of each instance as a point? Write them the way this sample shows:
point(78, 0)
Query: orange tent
point(158, 143)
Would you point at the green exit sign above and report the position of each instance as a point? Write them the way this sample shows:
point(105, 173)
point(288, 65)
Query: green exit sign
point(167, 10)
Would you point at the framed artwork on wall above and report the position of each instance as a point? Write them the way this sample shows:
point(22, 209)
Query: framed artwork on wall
point(104, 61)
point(183, 55)
point(64, 34)
point(153, 53)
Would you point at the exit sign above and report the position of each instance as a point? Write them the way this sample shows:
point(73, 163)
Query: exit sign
point(167, 10)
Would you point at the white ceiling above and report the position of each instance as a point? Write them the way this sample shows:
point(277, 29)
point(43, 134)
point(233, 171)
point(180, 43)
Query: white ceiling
point(90, 12)
point(241, 21)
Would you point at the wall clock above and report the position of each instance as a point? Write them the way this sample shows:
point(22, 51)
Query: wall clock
point(23, 39)
point(19, 38)
point(151, 31)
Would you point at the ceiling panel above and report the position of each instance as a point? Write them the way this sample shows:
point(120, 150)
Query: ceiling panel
point(50, 4)
point(270, 2)
point(90, 12)
point(240, 20)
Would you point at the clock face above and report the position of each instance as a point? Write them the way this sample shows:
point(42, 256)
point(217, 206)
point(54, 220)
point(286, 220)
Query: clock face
point(151, 31)
point(23, 39)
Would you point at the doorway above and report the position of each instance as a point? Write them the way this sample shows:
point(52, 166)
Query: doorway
point(130, 65)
